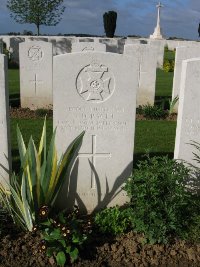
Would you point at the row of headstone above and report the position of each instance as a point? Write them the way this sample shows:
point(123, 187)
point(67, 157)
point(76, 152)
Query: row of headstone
point(96, 92)
point(36, 63)
point(5, 154)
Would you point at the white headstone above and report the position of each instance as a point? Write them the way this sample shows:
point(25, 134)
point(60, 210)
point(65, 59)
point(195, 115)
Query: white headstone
point(188, 122)
point(88, 46)
point(182, 53)
point(97, 94)
point(111, 44)
point(147, 71)
point(5, 155)
point(36, 65)
point(160, 46)
point(63, 45)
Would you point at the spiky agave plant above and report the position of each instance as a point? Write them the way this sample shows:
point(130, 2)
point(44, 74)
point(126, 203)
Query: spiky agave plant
point(40, 179)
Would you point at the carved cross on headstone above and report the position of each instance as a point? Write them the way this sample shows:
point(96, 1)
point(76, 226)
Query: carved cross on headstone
point(36, 82)
point(93, 155)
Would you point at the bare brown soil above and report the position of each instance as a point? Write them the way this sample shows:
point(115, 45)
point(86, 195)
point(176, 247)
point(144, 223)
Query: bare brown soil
point(22, 250)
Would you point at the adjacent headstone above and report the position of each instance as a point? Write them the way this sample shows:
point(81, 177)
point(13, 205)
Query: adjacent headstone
point(182, 53)
point(160, 46)
point(14, 48)
point(147, 71)
point(63, 46)
point(1, 46)
point(36, 64)
point(88, 46)
point(111, 44)
point(5, 155)
point(188, 122)
point(96, 92)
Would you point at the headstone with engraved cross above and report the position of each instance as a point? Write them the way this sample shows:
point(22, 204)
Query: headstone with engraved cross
point(95, 92)
point(147, 56)
point(36, 63)
point(5, 155)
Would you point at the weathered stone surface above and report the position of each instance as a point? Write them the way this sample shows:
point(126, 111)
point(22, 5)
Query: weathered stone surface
point(111, 44)
point(36, 64)
point(96, 92)
point(88, 46)
point(5, 155)
point(147, 71)
point(160, 46)
point(182, 53)
point(188, 122)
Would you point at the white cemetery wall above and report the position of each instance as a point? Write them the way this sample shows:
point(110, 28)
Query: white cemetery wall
point(97, 94)
point(188, 122)
point(147, 71)
point(88, 46)
point(5, 154)
point(182, 53)
point(36, 65)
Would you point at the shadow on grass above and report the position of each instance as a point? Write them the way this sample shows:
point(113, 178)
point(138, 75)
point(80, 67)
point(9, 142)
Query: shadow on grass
point(14, 100)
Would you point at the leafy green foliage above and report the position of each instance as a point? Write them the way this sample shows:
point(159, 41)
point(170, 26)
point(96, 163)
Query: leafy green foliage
point(64, 236)
point(168, 65)
point(40, 179)
point(152, 112)
point(161, 205)
point(109, 19)
point(38, 12)
point(113, 220)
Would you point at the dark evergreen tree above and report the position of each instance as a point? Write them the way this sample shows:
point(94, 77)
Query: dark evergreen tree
point(199, 30)
point(110, 19)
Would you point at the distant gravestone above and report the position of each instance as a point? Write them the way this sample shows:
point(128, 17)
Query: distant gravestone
point(64, 45)
point(147, 71)
point(160, 47)
point(88, 46)
point(111, 44)
point(36, 65)
point(5, 155)
point(97, 95)
point(188, 122)
point(182, 53)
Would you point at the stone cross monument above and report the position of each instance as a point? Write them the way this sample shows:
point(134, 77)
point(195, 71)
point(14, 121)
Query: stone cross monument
point(157, 32)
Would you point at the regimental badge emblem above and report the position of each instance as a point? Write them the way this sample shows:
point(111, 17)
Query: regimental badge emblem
point(35, 53)
point(95, 83)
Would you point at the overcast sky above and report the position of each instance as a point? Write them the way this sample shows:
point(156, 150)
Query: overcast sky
point(179, 18)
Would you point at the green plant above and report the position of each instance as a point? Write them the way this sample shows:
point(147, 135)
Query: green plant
point(168, 65)
point(152, 112)
point(113, 220)
point(64, 236)
point(109, 19)
point(172, 104)
point(161, 205)
point(40, 179)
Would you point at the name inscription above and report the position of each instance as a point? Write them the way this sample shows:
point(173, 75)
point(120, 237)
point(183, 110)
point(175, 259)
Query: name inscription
point(94, 119)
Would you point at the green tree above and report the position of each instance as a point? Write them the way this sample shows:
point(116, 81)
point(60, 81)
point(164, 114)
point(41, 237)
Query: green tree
point(38, 12)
